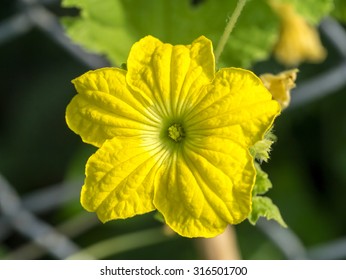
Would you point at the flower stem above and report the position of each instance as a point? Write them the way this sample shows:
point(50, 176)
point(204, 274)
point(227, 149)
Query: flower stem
point(229, 27)
point(221, 247)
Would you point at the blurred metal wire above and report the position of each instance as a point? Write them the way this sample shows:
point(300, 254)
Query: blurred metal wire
point(48, 198)
point(34, 14)
point(284, 238)
point(19, 215)
point(332, 250)
point(71, 228)
point(336, 35)
point(14, 27)
point(332, 79)
point(319, 86)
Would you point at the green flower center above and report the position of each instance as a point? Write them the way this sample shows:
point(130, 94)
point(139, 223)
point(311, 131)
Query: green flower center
point(176, 132)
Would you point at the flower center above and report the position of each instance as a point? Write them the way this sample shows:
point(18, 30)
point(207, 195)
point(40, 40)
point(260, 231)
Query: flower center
point(176, 132)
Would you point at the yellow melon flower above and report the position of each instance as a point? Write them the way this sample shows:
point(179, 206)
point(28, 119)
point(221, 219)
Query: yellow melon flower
point(173, 135)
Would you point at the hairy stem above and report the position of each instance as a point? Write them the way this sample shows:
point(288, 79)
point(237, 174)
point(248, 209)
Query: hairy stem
point(229, 27)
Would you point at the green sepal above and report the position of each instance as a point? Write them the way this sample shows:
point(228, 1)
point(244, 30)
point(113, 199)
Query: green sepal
point(262, 148)
point(264, 207)
point(123, 66)
point(262, 183)
point(159, 217)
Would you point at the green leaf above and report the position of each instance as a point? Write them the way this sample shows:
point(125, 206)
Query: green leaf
point(99, 27)
point(253, 37)
point(339, 11)
point(262, 183)
point(264, 207)
point(110, 27)
point(313, 11)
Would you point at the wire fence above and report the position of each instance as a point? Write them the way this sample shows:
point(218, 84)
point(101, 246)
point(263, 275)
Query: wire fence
point(21, 214)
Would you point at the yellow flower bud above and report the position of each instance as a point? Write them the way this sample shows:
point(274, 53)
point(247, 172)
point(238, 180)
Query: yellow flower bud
point(280, 85)
point(298, 40)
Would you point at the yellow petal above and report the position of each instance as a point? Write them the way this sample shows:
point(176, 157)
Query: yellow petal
point(280, 85)
point(119, 178)
point(205, 186)
point(236, 106)
point(170, 76)
point(298, 41)
point(104, 108)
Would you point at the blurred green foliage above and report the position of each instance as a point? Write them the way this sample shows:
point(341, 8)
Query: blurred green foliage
point(340, 10)
point(175, 22)
point(180, 22)
point(312, 10)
